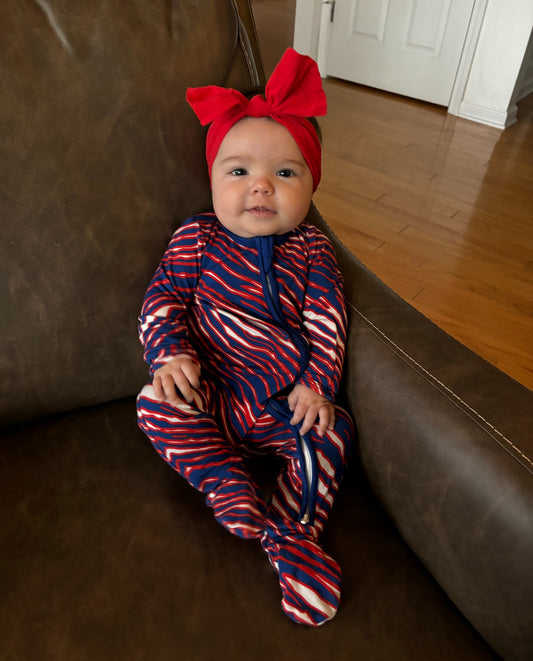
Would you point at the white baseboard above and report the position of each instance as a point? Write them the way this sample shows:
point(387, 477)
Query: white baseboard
point(501, 119)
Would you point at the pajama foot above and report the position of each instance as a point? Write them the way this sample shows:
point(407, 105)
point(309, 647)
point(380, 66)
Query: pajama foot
point(309, 578)
point(239, 507)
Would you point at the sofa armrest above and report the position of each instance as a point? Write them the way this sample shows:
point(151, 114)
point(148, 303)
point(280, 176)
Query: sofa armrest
point(445, 440)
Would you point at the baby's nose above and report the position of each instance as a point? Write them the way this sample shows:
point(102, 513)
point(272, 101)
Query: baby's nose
point(262, 186)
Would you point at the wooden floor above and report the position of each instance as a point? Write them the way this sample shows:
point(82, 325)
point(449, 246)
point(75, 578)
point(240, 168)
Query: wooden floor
point(440, 208)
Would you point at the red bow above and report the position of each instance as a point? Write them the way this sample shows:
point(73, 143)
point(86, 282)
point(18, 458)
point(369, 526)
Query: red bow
point(293, 93)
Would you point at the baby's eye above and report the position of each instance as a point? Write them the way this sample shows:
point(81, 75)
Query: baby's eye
point(286, 172)
point(238, 172)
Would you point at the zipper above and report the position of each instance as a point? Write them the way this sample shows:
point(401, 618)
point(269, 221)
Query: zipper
point(268, 278)
point(307, 456)
point(273, 304)
point(309, 475)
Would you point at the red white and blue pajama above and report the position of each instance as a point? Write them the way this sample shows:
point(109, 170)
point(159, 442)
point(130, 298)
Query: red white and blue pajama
point(258, 315)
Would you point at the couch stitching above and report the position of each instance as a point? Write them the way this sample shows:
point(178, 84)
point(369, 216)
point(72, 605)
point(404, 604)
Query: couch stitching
point(448, 390)
point(248, 59)
point(244, 43)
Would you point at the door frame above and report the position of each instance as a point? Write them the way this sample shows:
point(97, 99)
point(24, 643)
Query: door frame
point(311, 34)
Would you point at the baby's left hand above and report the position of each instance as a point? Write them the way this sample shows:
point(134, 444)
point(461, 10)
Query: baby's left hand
point(307, 405)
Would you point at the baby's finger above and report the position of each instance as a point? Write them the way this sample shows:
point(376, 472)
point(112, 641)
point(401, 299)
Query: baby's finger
point(326, 419)
point(159, 393)
point(184, 387)
point(192, 373)
point(309, 420)
point(331, 424)
point(298, 413)
point(167, 389)
point(292, 400)
point(197, 401)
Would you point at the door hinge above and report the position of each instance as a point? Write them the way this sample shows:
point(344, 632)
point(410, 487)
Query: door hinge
point(331, 4)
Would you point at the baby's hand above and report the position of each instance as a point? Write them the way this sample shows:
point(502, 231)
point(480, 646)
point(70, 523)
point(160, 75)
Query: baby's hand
point(307, 405)
point(180, 372)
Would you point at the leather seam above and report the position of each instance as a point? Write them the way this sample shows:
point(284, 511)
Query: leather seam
point(244, 44)
point(453, 396)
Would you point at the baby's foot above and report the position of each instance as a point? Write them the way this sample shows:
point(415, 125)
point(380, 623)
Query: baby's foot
point(239, 506)
point(309, 578)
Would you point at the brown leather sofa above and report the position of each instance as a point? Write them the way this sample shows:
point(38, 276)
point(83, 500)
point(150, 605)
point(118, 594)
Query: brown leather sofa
point(105, 552)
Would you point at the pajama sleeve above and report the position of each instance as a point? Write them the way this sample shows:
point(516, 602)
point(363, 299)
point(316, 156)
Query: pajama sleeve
point(163, 330)
point(325, 321)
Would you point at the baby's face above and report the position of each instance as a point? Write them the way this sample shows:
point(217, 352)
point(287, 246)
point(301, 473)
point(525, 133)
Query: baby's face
point(260, 181)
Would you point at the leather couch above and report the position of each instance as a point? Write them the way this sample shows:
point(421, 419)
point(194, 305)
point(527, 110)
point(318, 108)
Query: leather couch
point(105, 552)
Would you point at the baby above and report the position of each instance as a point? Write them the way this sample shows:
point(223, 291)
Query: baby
point(244, 327)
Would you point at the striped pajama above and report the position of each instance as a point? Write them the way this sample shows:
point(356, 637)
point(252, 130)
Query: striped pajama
point(259, 315)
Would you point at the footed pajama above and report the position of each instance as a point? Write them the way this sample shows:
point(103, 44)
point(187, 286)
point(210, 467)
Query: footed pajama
point(259, 315)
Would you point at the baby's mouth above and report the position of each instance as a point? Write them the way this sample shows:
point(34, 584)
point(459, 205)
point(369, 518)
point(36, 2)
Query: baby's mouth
point(261, 211)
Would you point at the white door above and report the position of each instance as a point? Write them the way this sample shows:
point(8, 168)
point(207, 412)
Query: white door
point(410, 47)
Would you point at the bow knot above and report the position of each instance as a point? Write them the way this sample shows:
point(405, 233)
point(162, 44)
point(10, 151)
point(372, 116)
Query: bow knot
point(258, 107)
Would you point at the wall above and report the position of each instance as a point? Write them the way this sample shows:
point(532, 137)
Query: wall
point(525, 83)
point(491, 91)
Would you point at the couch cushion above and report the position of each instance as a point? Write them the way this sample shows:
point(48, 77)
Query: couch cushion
point(109, 554)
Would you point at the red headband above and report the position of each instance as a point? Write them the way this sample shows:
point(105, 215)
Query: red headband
point(293, 93)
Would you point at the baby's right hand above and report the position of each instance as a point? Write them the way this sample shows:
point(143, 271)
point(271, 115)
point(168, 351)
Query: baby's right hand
point(182, 373)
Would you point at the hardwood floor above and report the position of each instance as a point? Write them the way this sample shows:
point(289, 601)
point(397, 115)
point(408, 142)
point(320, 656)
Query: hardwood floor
point(440, 208)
